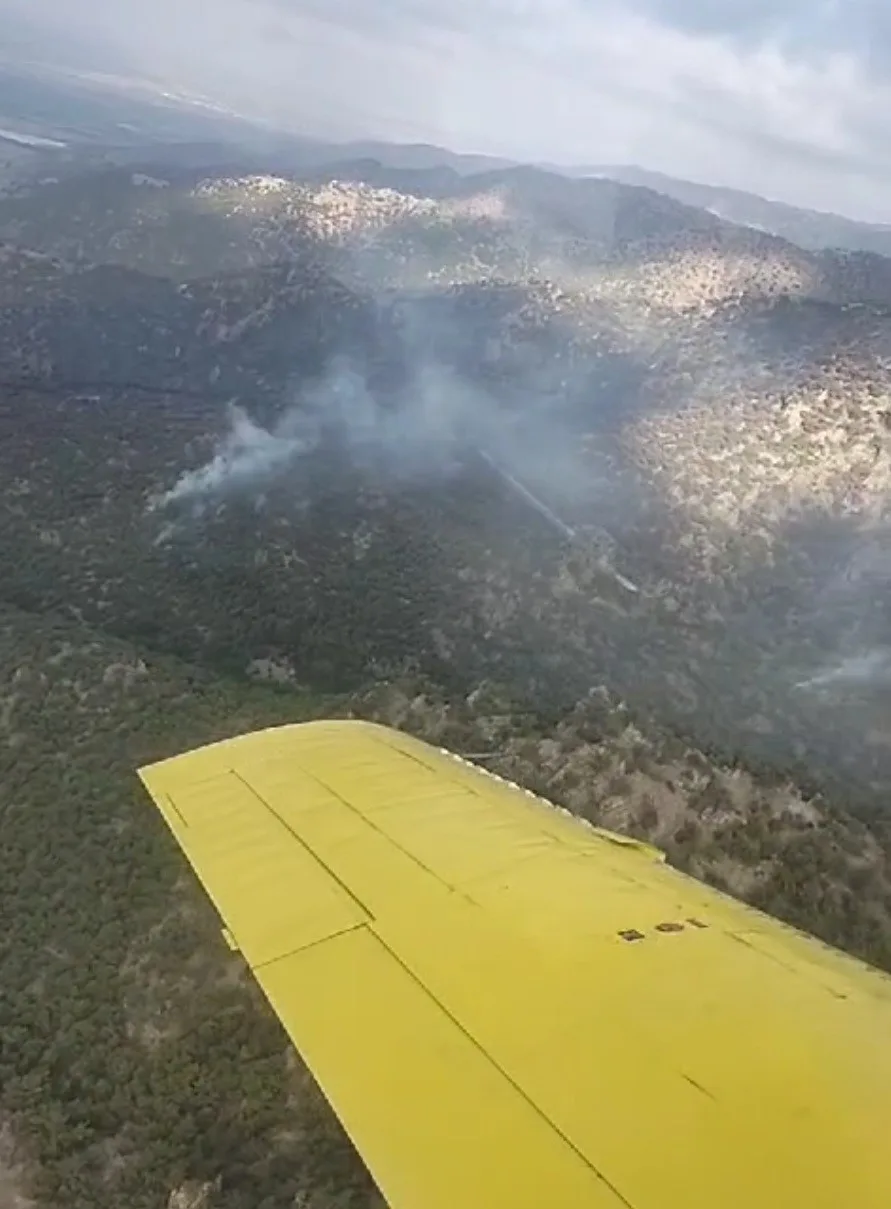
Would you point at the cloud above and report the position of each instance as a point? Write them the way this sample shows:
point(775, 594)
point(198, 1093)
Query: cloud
point(785, 97)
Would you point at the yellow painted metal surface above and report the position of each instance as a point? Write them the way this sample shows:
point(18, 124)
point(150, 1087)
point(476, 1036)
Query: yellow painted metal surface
point(509, 1009)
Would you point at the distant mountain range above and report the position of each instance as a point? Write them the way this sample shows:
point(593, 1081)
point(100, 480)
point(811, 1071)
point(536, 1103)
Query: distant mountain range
point(812, 229)
point(130, 120)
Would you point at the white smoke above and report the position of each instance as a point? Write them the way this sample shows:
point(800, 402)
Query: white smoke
point(247, 456)
point(868, 669)
point(415, 436)
point(850, 618)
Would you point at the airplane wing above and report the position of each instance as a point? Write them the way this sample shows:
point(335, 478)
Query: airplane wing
point(510, 1009)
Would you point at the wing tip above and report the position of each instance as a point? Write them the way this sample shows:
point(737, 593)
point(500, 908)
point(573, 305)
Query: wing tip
point(153, 775)
point(250, 738)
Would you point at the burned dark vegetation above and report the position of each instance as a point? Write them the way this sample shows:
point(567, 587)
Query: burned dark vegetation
point(563, 473)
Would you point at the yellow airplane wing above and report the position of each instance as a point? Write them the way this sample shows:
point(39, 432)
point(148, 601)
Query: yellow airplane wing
point(510, 1009)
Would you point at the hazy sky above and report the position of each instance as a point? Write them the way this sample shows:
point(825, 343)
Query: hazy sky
point(790, 98)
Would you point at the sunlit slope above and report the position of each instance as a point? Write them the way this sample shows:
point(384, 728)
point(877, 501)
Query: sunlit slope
point(508, 1008)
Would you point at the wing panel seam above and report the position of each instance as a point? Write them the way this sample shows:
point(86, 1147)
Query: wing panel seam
point(354, 898)
point(537, 1109)
point(389, 838)
point(310, 944)
point(176, 810)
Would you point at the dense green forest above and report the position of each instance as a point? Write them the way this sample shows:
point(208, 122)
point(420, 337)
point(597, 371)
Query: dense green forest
point(136, 1057)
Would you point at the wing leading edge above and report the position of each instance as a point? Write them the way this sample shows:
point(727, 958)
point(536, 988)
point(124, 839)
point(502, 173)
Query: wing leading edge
point(509, 1009)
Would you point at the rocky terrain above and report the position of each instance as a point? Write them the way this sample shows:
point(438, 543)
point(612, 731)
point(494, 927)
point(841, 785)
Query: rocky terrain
point(578, 480)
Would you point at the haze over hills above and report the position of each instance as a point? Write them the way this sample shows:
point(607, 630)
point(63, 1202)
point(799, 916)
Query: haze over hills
point(125, 119)
point(569, 474)
point(812, 229)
